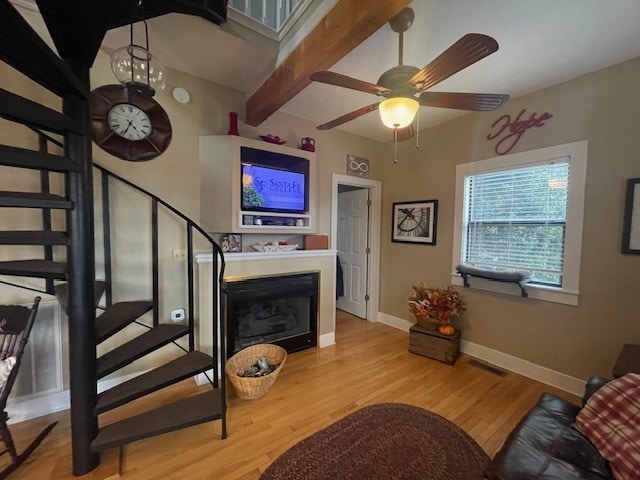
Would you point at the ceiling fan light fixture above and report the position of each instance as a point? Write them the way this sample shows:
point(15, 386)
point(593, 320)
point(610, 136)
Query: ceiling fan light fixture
point(398, 112)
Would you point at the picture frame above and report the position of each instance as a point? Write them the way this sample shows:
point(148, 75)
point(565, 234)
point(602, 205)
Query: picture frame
point(231, 242)
point(631, 225)
point(415, 222)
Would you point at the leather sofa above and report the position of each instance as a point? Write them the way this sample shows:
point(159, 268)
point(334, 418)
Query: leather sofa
point(545, 446)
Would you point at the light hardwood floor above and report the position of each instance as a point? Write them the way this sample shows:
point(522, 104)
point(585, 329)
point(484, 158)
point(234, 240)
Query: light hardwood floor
point(369, 364)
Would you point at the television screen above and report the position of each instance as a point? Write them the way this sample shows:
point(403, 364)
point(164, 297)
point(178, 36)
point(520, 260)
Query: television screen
point(272, 190)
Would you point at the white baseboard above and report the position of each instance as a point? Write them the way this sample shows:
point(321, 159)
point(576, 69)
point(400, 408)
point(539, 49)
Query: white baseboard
point(517, 365)
point(524, 367)
point(37, 407)
point(56, 402)
point(327, 340)
point(395, 322)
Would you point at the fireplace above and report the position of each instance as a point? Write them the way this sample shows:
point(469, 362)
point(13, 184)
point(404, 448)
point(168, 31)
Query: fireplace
point(282, 310)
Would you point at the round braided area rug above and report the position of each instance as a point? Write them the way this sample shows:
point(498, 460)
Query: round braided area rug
point(387, 441)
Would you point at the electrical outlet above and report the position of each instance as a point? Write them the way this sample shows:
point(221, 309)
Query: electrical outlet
point(179, 255)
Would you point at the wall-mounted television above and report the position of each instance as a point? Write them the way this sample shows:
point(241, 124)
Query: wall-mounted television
point(273, 182)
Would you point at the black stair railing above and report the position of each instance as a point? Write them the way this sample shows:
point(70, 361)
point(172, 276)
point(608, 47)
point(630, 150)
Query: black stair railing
point(45, 187)
point(191, 226)
point(67, 76)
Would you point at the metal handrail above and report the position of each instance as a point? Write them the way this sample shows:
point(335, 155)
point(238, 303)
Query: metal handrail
point(217, 299)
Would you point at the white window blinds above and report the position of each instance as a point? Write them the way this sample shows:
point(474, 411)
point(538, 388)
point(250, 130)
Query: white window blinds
point(515, 220)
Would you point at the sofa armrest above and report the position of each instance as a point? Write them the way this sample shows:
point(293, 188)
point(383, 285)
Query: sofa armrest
point(544, 445)
point(592, 386)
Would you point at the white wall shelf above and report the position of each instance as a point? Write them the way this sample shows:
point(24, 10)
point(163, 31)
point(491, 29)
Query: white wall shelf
point(220, 189)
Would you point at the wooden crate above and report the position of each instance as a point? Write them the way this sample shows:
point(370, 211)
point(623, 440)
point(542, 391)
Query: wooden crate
point(433, 344)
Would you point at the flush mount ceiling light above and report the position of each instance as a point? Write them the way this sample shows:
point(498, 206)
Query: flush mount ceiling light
point(135, 67)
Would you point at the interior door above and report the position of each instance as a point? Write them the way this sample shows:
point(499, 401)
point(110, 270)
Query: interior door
point(353, 223)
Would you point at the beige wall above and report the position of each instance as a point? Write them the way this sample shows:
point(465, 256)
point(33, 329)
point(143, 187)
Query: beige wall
point(603, 108)
point(174, 176)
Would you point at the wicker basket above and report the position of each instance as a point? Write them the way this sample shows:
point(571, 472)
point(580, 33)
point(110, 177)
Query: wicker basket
point(427, 322)
point(250, 388)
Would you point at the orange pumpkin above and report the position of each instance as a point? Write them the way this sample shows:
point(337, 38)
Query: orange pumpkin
point(446, 329)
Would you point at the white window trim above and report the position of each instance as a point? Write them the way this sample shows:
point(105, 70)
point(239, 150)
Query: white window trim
point(577, 154)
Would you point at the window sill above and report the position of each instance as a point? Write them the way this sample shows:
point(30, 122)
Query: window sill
point(536, 292)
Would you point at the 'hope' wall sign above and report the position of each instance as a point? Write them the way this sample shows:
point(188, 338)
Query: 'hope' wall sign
point(511, 131)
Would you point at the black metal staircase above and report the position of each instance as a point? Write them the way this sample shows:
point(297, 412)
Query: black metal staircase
point(22, 49)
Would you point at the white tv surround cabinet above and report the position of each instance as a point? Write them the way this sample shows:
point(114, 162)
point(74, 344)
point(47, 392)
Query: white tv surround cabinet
point(221, 182)
point(220, 212)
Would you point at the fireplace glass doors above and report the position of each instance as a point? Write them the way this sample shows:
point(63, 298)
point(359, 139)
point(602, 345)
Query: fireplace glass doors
point(277, 309)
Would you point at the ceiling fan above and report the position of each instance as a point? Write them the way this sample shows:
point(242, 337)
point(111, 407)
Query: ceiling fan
point(400, 85)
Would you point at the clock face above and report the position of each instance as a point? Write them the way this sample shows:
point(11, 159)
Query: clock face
point(129, 121)
point(413, 221)
point(128, 125)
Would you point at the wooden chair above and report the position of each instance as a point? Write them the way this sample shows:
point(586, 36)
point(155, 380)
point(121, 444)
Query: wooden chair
point(15, 326)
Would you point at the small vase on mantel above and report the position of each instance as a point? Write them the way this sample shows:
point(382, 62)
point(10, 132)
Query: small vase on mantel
point(233, 124)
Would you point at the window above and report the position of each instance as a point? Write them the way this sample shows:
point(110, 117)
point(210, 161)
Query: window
point(516, 220)
point(523, 212)
point(267, 12)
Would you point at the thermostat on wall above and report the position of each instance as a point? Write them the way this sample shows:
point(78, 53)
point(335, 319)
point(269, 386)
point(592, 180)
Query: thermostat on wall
point(177, 315)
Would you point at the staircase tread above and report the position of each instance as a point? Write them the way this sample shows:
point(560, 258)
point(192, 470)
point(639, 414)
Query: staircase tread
point(34, 237)
point(118, 316)
point(176, 370)
point(157, 337)
point(33, 199)
point(181, 414)
point(34, 268)
point(61, 291)
point(11, 193)
point(25, 158)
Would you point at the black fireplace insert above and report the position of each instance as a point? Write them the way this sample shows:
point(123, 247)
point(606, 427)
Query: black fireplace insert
point(281, 309)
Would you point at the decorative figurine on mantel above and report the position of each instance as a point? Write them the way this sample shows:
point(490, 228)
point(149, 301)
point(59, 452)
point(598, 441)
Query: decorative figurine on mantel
point(308, 144)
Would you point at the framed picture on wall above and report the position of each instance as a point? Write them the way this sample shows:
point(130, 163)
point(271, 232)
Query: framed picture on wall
point(415, 222)
point(631, 227)
point(231, 242)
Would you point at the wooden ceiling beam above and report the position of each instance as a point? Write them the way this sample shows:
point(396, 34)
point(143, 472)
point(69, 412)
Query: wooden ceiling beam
point(346, 25)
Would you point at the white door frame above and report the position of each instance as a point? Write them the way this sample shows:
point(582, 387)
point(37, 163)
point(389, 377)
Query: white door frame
point(375, 215)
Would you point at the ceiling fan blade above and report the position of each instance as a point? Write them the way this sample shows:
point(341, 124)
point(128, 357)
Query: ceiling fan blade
point(347, 82)
point(348, 117)
point(406, 133)
point(477, 102)
point(466, 51)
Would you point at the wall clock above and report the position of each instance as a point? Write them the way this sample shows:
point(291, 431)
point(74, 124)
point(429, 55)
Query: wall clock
point(128, 125)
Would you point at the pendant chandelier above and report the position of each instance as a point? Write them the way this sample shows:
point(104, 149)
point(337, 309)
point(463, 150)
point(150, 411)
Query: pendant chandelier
point(135, 67)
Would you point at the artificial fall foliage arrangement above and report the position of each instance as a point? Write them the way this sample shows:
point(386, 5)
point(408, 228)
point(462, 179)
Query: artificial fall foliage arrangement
point(437, 304)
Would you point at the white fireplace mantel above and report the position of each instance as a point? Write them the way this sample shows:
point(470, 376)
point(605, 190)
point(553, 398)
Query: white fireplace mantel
point(251, 256)
point(253, 264)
